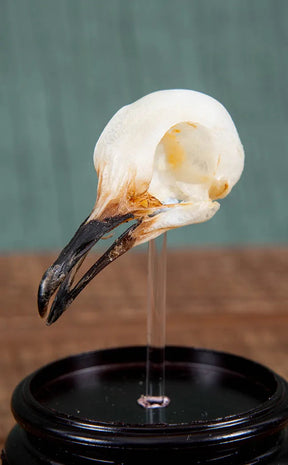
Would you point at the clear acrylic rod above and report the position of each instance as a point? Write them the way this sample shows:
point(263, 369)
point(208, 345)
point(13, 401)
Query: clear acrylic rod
point(156, 326)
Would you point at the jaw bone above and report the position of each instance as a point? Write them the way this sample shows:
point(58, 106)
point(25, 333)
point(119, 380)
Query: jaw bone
point(161, 161)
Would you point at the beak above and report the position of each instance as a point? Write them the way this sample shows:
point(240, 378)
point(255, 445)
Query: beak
point(60, 276)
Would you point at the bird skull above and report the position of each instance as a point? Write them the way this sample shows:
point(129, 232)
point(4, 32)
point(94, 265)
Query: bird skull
point(161, 161)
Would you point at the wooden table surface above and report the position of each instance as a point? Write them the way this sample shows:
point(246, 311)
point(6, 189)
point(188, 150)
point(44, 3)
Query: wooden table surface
point(226, 299)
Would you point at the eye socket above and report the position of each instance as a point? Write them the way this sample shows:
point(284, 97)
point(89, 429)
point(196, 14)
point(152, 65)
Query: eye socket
point(184, 164)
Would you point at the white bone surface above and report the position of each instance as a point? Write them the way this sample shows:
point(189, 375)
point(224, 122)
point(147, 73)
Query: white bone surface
point(166, 158)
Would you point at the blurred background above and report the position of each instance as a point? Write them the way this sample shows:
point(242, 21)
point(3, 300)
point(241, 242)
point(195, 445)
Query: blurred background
point(68, 65)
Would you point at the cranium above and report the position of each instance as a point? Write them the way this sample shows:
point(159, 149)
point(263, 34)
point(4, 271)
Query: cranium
point(162, 161)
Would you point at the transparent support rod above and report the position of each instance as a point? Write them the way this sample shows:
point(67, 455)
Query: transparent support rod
point(156, 326)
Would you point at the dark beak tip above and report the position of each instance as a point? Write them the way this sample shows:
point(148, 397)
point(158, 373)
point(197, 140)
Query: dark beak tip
point(48, 284)
point(59, 277)
point(43, 295)
point(48, 322)
point(42, 302)
point(56, 311)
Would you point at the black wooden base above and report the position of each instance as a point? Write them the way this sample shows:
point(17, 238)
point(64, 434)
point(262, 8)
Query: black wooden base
point(224, 409)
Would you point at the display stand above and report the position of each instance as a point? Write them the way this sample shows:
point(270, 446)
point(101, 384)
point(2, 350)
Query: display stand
point(154, 397)
point(132, 405)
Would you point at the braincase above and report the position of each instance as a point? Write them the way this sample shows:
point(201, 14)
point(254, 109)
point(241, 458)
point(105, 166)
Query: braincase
point(181, 145)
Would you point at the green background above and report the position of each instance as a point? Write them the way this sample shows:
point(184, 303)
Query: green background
point(68, 65)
